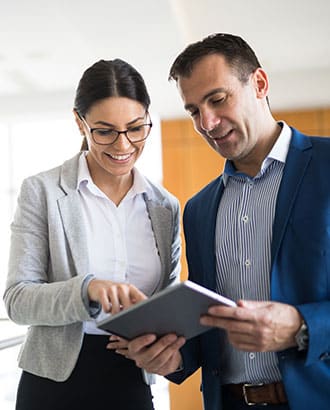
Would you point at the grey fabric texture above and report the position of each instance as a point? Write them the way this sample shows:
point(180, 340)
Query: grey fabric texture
point(48, 265)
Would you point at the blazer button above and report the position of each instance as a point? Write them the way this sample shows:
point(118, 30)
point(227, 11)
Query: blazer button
point(215, 372)
point(282, 356)
point(325, 356)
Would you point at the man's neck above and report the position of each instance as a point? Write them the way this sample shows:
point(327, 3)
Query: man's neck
point(251, 165)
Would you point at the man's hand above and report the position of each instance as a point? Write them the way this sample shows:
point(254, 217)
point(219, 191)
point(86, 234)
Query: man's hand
point(257, 326)
point(156, 356)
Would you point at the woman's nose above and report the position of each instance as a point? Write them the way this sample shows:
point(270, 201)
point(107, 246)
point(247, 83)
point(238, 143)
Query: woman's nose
point(122, 141)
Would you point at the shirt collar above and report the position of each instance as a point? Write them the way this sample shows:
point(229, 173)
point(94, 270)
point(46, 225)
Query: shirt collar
point(280, 149)
point(278, 152)
point(85, 179)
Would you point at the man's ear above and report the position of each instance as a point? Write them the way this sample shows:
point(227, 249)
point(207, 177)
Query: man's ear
point(79, 122)
point(261, 84)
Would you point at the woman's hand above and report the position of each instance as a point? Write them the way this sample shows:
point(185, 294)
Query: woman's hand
point(119, 344)
point(114, 297)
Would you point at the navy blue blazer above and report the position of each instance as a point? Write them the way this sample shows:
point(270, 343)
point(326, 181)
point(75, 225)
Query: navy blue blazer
point(300, 273)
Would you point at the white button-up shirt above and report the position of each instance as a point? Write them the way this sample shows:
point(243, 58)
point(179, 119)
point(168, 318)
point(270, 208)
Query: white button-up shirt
point(121, 242)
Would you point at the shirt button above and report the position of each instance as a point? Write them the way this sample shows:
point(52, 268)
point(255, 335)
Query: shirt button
point(247, 262)
point(245, 218)
point(252, 356)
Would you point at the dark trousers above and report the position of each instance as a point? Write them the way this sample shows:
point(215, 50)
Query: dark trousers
point(101, 380)
point(232, 403)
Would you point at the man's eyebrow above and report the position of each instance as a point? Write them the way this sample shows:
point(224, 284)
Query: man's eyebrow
point(206, 96)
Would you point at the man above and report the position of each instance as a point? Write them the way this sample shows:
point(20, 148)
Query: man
point(259, 234)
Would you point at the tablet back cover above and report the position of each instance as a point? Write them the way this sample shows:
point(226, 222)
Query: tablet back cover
point(176, 309)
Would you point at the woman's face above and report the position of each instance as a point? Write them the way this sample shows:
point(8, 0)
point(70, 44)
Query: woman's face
point(113, 159)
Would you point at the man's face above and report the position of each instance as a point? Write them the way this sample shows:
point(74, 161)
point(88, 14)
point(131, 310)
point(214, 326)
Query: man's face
point(224, 110)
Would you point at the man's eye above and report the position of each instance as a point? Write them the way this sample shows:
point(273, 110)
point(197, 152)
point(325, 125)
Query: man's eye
point(193, 113)
point(218, 101)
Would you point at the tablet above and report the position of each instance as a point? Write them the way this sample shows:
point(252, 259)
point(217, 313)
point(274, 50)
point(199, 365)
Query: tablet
point(175, 309)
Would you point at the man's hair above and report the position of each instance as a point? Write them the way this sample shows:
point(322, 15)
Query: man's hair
point(237, 53)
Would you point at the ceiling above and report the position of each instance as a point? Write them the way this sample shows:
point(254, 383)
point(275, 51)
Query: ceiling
point(46, 45)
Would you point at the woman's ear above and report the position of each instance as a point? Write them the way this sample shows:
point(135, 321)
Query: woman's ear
point(84, 144)
point(78, 122)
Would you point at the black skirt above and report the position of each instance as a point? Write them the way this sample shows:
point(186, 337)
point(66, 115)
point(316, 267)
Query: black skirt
point(102, 379)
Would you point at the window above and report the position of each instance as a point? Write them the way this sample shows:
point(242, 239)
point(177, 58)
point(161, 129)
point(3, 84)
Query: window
point(29, 147)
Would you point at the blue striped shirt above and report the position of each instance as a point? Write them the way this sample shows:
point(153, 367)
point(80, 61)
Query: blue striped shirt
point(243, 254)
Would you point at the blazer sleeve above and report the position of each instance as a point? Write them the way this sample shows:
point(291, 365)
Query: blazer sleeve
point(35, 295)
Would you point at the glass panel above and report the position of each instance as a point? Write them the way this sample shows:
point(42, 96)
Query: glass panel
point(9, 377)
point(38, 146)
point(5, 208)
point(10, 334)
point(29, 147)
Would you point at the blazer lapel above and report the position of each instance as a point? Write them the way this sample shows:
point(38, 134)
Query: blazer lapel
point(71, 214)
point(162, 225)
point(299, 155)
point(208, 223)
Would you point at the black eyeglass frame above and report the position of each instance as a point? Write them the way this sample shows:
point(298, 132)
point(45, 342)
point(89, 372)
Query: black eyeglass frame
point(91, 130)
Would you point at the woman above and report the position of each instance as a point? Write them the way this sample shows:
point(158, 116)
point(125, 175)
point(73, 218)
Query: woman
point(90, 234)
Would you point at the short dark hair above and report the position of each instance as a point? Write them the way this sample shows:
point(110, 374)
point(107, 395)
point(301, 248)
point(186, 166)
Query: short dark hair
point(237, 53)
point(109, 78)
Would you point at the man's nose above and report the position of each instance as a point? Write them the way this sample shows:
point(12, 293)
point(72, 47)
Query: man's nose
point(208, 120)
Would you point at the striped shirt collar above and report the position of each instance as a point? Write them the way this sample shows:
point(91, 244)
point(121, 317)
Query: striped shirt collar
point(279, 153)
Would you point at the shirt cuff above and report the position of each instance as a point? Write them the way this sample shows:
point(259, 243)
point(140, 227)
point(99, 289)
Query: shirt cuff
point(180, 367)
point(94, 308)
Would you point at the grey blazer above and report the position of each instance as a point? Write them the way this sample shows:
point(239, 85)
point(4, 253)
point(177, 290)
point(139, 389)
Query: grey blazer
point(48, 264)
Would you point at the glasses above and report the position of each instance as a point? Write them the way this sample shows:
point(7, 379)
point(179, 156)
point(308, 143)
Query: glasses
point(108, 136)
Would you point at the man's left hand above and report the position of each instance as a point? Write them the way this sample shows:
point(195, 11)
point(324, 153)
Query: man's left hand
point(257, 326)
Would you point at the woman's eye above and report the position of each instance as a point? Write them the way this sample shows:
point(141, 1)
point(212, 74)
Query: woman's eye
point(138, 128)
point(104, 132)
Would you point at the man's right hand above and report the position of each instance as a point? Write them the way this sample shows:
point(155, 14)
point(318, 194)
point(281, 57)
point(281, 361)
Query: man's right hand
point(160, 356)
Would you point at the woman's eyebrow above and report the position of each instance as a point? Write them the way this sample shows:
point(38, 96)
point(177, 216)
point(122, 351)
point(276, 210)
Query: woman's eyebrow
point(108, 124)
